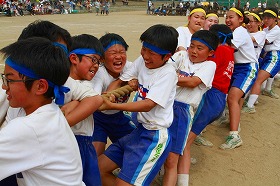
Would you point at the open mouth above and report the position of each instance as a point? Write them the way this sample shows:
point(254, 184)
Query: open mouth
point(118, 64)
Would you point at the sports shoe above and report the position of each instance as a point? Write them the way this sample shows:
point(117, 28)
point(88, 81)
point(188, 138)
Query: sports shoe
point(232, 142)
point(200, 140)
point(270, 94)
point(250, 110)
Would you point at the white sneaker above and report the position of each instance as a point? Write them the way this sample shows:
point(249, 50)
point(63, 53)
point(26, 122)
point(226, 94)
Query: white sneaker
point(200, 140)
point(232, 142)
point(270, 94)
point(250, 110)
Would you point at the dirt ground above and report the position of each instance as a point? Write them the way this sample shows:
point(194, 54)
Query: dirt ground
point(256, 162)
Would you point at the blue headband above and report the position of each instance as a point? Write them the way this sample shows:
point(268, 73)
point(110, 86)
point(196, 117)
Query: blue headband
point(115, 42)
point(61, 46)
point(83, 51)
point(221, 34)
point(58, 89)
point(202, 41)
point(155, 48)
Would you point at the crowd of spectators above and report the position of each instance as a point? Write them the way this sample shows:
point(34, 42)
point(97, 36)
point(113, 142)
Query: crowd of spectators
point(23, 7)
point(179, 8)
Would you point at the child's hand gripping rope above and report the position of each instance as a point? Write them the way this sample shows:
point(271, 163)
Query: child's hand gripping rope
point(111, 96)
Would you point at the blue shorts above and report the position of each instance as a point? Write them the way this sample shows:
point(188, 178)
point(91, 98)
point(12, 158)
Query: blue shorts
point(91, 174)
point(140, 154)
point(114, 126)
point(209, 109)
point(244, 76)
point(271, 62)
point(180, 126)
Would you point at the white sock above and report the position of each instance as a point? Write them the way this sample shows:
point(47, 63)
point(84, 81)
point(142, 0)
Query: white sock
point(252, 99)
point(263, 85)
point(183, 180)
point(269, 84)
point(233, 133)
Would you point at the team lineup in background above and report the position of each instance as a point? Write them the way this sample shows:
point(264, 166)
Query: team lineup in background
point(63, 96)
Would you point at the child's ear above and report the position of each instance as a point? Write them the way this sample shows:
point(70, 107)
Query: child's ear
point(74, 59)
point(41, 86)
point(167, 56)
point(211, 53)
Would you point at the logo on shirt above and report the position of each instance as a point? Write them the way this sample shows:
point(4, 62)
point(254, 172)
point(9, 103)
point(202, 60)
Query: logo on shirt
point(185, 74)
point(229, 69)
point(142, 92)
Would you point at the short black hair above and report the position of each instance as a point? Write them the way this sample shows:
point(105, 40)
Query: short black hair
point(42, 57)
point(87, 41)
point(208, 37)
point(109, 37)
point(225, 32)
point(46, 29)
point(162, 36)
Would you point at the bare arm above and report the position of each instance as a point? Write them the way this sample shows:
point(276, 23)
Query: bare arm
point(138, 106)
point(84, 109)
point(190, 81)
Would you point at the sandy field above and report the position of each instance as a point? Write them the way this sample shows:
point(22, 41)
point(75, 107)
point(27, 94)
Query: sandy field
point(256, 162)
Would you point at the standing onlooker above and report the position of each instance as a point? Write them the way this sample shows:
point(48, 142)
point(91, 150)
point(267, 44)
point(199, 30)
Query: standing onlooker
point(97, 5)
point(107, 7)
point(102, 7)
point(149, 7)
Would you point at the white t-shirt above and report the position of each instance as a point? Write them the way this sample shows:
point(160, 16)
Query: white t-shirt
point(41, 146)
point(4, 104)
point(78, 91)
point(273, 36)
point(103, 79)
point(259, 41)
point(184, 38)
point(204, 71)
point(159, 85)
point(243, 43)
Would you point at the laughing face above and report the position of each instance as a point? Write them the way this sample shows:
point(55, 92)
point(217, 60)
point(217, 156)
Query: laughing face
point(86, 68)
point(115, 60)
point(233, 20)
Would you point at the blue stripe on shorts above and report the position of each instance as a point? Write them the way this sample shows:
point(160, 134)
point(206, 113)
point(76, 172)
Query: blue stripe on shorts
point(140, 154)
point(271, 62)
